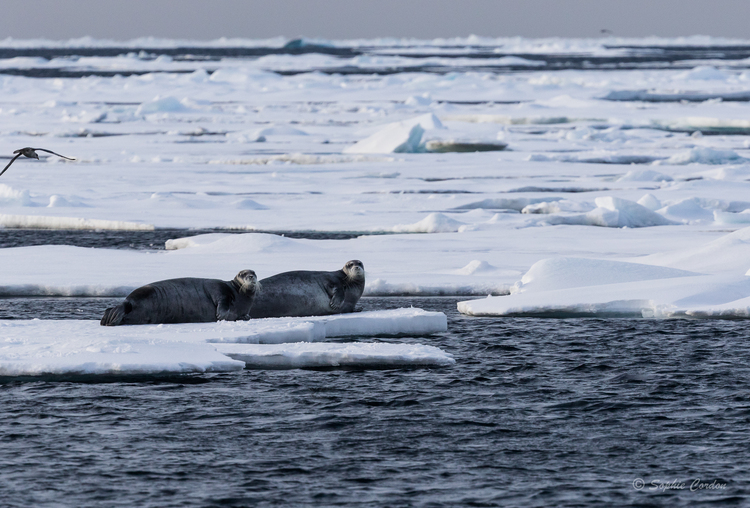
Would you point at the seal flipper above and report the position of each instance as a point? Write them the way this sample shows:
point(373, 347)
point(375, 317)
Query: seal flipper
point(337, 299)
point(224, 310)
point(114, 316)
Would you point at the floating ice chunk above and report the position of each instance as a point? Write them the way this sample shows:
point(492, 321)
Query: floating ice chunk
point(59, 201)
point(240, 243)
point(630, 213)
point(566, 101)
point(11, 196)
point(307, 43)
point(479, 286)
point(21, 62)
point(236, 75)
point(399, 137)
point(351, 355)
point(476, 267)
point(248, 204)
point(703, 155)
point(688, 211)
point(557, 206)
point(42, 222)
point(562, 273)
point(508, 120)
point(396, 139)
point(644, 175)
point(612, 212)
point(85, 117)
point(38, 347)
point(198, 76)
point(655, 96)
point(450, 146)
point(419, 100)
point(275, 331)
point(728, 254)
point(245, 137)
point(574, 286)
point(516, 60)
point(707, 125)
point(580, 134)
point(650, 201)
point(728, 173)
point(698, 296)
point(732, 218)
point(517, 204)
point(33, 348)
point(193, 241)
point(411, 321)
point(162, 105)
point(433, 223)
point(598, 157)
point(281, 130)
point(704, 73)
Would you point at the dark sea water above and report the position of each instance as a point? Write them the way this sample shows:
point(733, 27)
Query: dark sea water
point(140, 240)
point(465, 57)
point(536, 412)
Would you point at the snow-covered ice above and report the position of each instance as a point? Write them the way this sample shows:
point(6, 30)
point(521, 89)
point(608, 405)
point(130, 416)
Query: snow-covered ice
point(374, 355)
point(38, 347)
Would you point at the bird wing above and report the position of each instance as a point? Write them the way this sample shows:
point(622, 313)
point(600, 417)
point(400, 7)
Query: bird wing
point(11, 162)
point(53, 153)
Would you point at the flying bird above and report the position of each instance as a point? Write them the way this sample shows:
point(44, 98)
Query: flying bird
point(31, 154)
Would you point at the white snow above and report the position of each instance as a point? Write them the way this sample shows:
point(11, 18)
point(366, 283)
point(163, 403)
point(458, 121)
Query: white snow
point(399, 137)
point(610, 212)
point(37, 347)
point(43, 222)
point(360, 355)
point(705, 281)
point(433, 223)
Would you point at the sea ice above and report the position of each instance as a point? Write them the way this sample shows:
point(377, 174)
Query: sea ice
point(38, 347)
point(356, 354)
point(399, 137)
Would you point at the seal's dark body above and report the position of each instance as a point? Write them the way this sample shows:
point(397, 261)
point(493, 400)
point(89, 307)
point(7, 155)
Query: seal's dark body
point(185, 300)
point(307, 293)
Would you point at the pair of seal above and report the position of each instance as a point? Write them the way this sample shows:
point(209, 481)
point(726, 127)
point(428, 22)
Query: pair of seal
point(308, 293)
point(186, 300)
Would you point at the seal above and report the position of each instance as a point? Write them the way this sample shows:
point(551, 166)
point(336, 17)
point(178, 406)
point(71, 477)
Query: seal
point(308, 293)
point(186, 300)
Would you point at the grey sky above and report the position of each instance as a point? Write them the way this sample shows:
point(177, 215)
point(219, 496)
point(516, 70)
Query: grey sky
point(345, 19)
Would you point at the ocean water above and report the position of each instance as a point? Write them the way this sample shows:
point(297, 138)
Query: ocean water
point(536, 412)
point(139, 240)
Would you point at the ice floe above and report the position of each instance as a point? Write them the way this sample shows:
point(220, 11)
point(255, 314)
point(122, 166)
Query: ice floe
point(433, 223)
point(68, 347)
point(42, 222)
point(613, 212)
point(356, 355)
point(708, 281)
